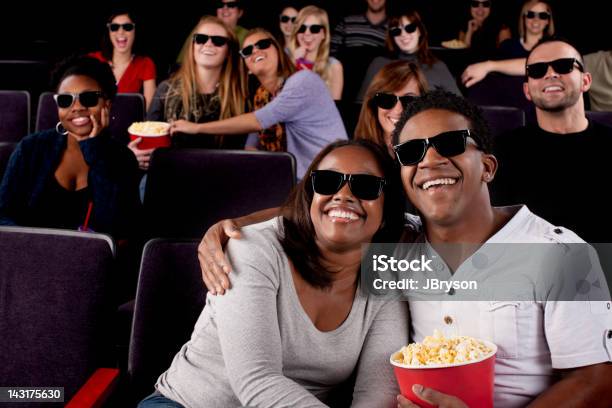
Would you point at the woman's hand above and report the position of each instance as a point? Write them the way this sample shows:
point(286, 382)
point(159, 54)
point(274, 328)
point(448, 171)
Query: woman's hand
point(99, 126)
point(475, 73)
point(183, 126)
point(142, 155)
point(473, 25)
point(431, 396)
point(214, 264)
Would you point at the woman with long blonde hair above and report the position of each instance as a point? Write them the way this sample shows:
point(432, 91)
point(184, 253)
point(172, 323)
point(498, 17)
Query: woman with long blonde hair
point(535, 22)
point(209, 85)
point(309, 48)
point(293, 112)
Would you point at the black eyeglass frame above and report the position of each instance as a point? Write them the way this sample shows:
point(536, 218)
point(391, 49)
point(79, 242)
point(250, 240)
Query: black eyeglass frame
point(114, 27)
point(408, 28)
point(435, 142)
point(350, 179)
point(217, 40)
point(538, 70)
point(262, 44)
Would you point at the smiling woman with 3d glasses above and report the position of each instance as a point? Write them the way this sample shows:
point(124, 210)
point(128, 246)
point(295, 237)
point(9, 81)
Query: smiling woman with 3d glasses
point(407, 40)
point(74, 176)
point(296, 323)
point(294, 112)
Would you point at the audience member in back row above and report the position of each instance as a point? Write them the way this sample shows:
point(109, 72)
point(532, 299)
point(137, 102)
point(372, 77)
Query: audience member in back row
point(484, 31)
point(407, 40)
point(207, 87)
point(557, 166)
point(300, 103)
point(535, 22)
point(532, 30)
point(309, 48)
point(391, 89)
point(599, 64)
point(286, 22)
point(74, 176)
point(357, 40)
point(229, 12)
point(134, 73)
point(298, 321)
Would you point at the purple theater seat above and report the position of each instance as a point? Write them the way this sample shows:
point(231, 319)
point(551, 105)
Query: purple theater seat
point(127, 108)
point(188, 190)
point(604, 118)
point(169, 300)
point(5, 153)
point(502, 119)
point(14, 115)
point(54, 307)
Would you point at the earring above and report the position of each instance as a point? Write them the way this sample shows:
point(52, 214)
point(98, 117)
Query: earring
point(58, 127)
point(487, 177)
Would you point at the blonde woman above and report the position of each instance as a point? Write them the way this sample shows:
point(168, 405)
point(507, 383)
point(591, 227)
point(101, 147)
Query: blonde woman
point(309, 48)
point(535, 22)
point(209, 86)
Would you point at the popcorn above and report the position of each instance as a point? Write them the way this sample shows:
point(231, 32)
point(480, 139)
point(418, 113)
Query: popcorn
point(149, 128)
point(438, 349)
point(454, 44)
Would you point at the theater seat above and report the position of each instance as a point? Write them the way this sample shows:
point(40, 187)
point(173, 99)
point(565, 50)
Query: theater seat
point(127, 108)
point(14, 115)
point(502, 119)
point(604, 118)
point(5, 154)
point(188, 190)
point(54, 313)
point(169, 299)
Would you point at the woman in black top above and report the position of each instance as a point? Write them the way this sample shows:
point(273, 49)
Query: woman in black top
point(74, 176)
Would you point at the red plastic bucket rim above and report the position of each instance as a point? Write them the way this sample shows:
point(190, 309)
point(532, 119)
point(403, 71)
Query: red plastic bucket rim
point(489, 344)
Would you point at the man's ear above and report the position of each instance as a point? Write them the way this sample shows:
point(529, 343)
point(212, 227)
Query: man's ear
point(526, 91)
point(490, 165)
point(587, 80)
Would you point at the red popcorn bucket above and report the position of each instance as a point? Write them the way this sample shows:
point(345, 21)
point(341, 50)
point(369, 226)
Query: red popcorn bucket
point(153, 134)
point(471, 382)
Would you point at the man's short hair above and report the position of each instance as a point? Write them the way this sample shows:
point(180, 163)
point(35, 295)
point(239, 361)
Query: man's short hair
point(441, 99)
point(553, 38)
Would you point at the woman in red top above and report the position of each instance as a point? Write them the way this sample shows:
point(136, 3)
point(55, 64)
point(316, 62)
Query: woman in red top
point(133, 73)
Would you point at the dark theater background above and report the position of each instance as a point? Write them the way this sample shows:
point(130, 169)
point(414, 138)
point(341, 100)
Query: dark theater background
point(51, 30)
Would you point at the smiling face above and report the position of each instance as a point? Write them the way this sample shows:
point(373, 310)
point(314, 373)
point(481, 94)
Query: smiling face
point(122, 40)
point(209, 55)
point(309, 41)
point(341, 221)
point(261, 62)
point(480, 13)
point(287, 28)
point(229, 15)
point(376, 6)
point(407, 42)
point(389, 117)
point(536, 26)
point(445, 189)
point(555, 92)
point(76, 118)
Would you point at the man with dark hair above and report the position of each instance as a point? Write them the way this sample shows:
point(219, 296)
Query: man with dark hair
point(357, 40)
point(556, 166)
point(445, 151)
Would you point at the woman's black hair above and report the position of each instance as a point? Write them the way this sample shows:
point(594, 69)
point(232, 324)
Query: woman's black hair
point(106, 46)
point(298, 239)
point(89, 67)
point(440, 99)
